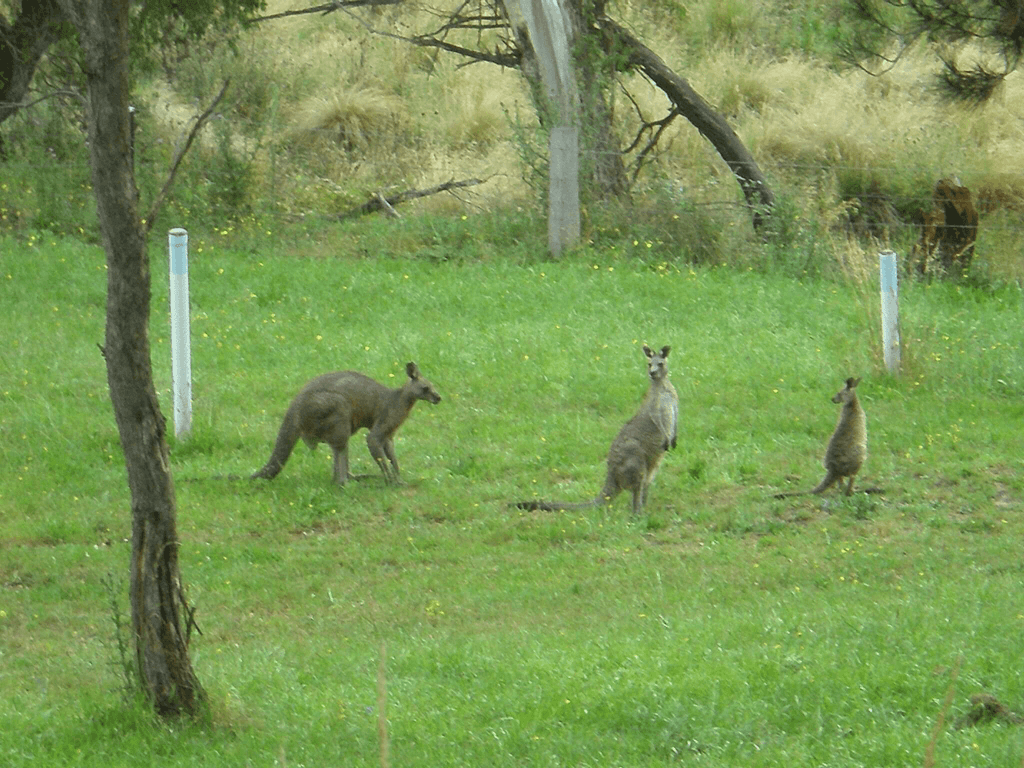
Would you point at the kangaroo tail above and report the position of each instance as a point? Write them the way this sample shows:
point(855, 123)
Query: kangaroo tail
point(828, 481)
point(821, 487)
point(790, 493)
point(554, 506)
point(287, 436)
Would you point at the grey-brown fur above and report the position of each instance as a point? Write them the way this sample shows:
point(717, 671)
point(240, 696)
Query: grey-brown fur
point(848, 446)
point(332, 407)
point(639, 447)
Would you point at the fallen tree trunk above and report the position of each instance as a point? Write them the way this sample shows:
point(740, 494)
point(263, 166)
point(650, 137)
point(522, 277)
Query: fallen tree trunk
point(387, 204)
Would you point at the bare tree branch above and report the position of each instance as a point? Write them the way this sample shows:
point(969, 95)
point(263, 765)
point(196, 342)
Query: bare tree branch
point(325, 8)
point(657, 128)
point(200, 122)
point(387, 204)
point(457, 20)
point(64, 92)
point(509, 60)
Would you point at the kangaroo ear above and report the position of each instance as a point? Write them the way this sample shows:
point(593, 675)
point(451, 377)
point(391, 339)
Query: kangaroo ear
point(852, 382)
point(665, 350)
point(412, 370)
point(648, 351)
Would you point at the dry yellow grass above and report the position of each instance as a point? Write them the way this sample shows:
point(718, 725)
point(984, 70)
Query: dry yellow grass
point(354, 119)
point(389, 113)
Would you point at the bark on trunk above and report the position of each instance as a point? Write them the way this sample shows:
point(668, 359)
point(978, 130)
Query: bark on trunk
point(604, 165)
point(692, 106)
point(158, 605)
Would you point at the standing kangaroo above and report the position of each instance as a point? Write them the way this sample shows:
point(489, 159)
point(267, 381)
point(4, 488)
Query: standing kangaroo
point(639, 447)
point(332, 407)
point(848, 446)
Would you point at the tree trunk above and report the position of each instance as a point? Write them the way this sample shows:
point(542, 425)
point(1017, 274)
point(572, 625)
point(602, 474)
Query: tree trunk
point(157, 598)
point(594, 78)
point(712, 125)
point(602, 172)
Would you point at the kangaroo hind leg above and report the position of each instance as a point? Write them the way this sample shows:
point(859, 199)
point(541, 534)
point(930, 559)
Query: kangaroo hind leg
point(383, 452)
point(340, 451)
point(639, 497)
point(389, 451)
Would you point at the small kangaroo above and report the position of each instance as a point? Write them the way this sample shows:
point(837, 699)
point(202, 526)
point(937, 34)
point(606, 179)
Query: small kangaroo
point(639, 447)
point(332, 407)
point(848, 446)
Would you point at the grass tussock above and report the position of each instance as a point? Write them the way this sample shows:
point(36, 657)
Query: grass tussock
point(356, 120)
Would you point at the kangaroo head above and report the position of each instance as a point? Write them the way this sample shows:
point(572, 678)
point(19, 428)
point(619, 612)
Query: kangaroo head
point(421, 388)
point(657, 365)
point(846, 394)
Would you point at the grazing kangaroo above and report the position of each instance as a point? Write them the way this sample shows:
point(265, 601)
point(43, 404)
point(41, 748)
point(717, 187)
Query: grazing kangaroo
point(848, 446)
point(637, 450)
point(332, 407)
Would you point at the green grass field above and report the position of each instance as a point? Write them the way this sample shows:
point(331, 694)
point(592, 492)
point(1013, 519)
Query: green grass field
point(723, 628)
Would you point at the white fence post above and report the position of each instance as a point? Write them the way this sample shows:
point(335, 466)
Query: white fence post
point(563, 188)
point(890, 311)
point(181, 344)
